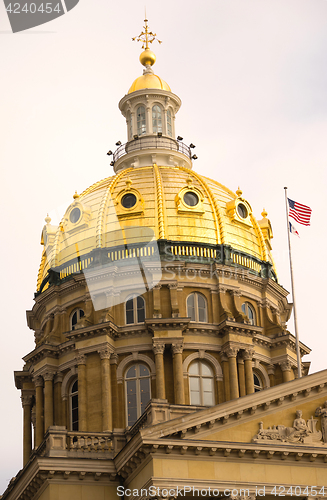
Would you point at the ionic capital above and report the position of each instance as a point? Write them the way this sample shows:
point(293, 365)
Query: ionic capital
point(223, 356)
point(177, 348)
point(286, 366)
point(58, 378)
point(104, 353)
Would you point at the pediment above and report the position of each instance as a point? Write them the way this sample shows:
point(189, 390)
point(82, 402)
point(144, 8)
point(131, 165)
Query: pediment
point(267, 418)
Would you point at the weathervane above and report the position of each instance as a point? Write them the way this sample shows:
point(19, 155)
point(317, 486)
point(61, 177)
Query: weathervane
point(146, 36)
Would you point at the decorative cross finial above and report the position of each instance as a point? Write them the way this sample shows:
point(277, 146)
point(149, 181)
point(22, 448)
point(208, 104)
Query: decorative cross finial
point(146, 36)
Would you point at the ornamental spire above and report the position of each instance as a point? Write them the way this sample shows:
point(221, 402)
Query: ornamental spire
point(147, 58)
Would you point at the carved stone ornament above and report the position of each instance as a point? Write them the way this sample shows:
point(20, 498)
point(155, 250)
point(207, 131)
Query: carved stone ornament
point(302, 432)
point(177, 348)
point(104, 353)
point(248, 354)
point(231, 352)
point(286, 366)
point(38, 381)
point(26, 400)
point(158, 348)
point(81, 359)
point(48, 376)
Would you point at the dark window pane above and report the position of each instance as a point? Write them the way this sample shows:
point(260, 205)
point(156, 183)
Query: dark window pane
point(131, 373)
point(140, 315)
point(129, 317)
point(144, 372)
point(81, 313)
point(132, 416)
point(75, 386)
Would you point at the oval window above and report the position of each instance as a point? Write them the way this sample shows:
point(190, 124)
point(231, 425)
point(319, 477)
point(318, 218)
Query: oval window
point(128, 200)
point(191, 199)
point(242, 210)
point(75, 215)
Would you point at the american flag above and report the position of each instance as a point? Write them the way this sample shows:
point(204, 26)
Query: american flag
point(300, 213)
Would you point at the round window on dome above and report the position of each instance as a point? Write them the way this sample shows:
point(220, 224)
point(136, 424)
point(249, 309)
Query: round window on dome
point(191, 199)
point(75, 215)
point(128, 200)
point(242, 210)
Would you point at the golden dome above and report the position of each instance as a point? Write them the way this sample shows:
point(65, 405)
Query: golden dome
point(149, 81)
point(175, 203)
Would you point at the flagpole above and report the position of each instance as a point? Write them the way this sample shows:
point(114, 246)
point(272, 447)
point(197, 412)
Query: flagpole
point(299, 369)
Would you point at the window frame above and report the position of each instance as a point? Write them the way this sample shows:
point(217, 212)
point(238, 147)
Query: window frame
point(157, 118)
point(246, 306)
point(196, 307)
point(79, 316)
point(138, 377)
point(200, 377)
point(72, 394)
point(140, 121)
point(135, 309)
point(260, 387)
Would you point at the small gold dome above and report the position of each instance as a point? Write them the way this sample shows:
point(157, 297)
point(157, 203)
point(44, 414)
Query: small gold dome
point(149, 81)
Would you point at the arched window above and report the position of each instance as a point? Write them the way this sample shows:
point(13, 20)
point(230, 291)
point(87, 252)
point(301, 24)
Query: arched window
point(137, 380)
point(73, 406)
point(135, 310)
point(156, 119)
point(201, 384)
point(141, 124)
point(169, 124)
point(258, 385)
point(75, 317)
point(249, 312)
point(197, 307)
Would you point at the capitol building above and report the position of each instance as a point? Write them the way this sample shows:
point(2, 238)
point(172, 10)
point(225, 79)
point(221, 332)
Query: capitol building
point(163, 366)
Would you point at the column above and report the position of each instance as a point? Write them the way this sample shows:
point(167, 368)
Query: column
point(48, 400)
point(114, 387)
point(158, 349)
point(249, 383)
point(106, 389)
point(271, 373)
point(82, 403)
point(231, 353)
point(177, 349)
point(286, 367)
point(27, 428)
point(224, 362)
point(241, 376)
point(39, 410)
point(58, 413)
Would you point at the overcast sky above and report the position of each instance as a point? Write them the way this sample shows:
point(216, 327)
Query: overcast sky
point(252, 76)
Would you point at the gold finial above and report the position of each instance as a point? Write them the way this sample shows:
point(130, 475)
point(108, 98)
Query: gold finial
point(47, 219)
point(239, 192)
point(76, 196)
point(147, 58)
point(128, 184)
point(264, 213)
